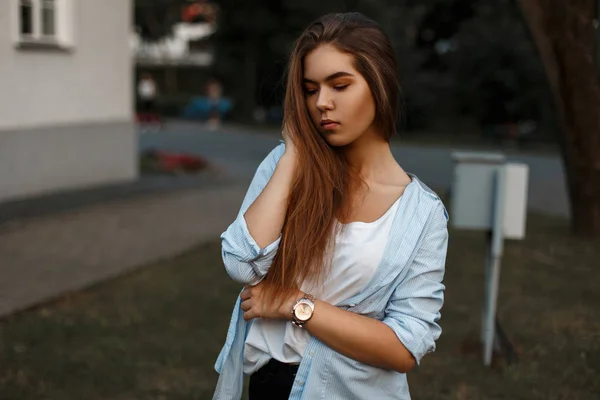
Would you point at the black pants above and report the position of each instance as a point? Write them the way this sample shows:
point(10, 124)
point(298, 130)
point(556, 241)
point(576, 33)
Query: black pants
point(148, 106)
point(273, 381)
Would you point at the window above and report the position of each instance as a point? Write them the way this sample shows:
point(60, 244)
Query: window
point(48, 18)
point(26, 17)
point(44, 22)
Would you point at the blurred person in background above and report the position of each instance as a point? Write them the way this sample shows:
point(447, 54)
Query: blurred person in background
point(148, 117)
point(342, 252)
point(147, 92)
point(214, 93)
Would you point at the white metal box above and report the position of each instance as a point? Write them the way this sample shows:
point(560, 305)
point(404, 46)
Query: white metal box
point(474, 193)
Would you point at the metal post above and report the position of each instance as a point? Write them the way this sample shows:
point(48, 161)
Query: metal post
point(487, 273)
point(493, 266)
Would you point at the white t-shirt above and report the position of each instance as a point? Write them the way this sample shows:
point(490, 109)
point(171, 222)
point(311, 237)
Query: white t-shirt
point(147, 89)
point(358, 252)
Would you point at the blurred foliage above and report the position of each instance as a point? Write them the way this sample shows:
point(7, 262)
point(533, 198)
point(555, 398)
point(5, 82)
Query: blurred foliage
point(498, 75)
point(254, 39)
point(459, 59)
point(468, 59)
point(154, 19)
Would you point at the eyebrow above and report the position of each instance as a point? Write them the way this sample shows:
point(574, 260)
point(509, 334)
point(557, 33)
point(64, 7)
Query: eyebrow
point(331, 77)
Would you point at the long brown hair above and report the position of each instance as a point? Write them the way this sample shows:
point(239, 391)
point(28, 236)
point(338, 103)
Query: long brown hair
point(322, 190)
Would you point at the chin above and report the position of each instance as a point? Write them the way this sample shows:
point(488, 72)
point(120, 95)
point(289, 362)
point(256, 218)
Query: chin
point(336, 140)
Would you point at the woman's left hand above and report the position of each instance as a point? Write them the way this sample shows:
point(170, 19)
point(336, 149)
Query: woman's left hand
point(255, 306)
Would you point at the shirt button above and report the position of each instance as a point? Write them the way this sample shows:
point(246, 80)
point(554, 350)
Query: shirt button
point(300, 383)
point(312, 353)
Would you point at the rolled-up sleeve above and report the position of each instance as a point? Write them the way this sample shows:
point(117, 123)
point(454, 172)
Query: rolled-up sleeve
point(245, 261)
point(413, 310)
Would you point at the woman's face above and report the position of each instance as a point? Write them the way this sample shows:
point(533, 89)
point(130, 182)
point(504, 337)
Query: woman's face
point(337, 96)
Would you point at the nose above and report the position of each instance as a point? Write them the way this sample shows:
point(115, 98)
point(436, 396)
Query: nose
point(324, 100)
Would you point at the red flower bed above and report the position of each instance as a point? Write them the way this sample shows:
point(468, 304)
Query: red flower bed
point(171, 162)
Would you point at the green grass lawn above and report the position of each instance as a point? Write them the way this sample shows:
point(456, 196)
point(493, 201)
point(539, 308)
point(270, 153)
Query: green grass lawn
point(155, 333)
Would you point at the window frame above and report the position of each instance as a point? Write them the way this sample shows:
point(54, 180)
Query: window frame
point(63, 25)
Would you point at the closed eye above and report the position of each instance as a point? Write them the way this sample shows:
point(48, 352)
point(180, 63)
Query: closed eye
point(337, 88)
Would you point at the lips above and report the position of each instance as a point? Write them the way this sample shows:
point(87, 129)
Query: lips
point(329, 124)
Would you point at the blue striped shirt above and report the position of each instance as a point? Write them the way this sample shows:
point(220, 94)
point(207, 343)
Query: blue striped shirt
point(406, 293)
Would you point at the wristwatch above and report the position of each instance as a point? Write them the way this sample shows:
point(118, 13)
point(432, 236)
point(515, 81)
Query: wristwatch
point(303, 310)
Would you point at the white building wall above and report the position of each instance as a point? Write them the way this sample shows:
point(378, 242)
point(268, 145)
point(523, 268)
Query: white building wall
point(66, 114)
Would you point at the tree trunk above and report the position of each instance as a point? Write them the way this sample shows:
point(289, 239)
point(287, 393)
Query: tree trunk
point(565, 36)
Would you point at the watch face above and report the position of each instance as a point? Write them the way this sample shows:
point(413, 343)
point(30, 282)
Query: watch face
point(303, 311)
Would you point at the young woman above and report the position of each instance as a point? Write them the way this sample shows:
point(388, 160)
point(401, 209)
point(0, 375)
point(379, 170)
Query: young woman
point(340, 250)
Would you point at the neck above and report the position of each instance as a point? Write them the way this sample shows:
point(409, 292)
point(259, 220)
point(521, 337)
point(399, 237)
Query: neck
point(370, 155)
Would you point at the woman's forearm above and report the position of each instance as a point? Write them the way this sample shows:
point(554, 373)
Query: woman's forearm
point(361, 338)
point(265, 217)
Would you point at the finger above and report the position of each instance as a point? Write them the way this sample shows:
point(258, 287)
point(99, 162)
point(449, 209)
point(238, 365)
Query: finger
point(249, 315)
point(246, 305)
point(246, 294)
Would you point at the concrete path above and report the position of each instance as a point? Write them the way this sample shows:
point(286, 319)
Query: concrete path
point(44, 257)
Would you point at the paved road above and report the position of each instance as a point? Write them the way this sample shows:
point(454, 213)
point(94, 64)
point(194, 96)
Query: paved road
point(240, 151)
